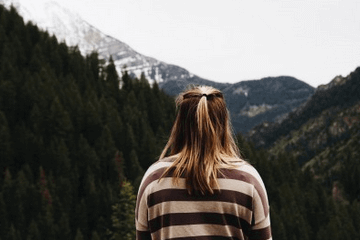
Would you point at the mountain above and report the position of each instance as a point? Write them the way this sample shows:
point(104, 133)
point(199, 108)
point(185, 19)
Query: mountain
point(341, 92)
point(70, 27)
point(323, 136)
point(253, 102)
point(250, 102)
point(269, 99)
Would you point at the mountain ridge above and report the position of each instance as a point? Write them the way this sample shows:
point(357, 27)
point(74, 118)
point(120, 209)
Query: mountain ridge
point(250, 102)
point(342, 95)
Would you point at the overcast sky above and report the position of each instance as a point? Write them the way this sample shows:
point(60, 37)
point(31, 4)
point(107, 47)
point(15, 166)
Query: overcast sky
point(235, 40)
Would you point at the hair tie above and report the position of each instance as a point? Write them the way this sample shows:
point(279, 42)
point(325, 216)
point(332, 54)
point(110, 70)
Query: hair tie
point(205, 95)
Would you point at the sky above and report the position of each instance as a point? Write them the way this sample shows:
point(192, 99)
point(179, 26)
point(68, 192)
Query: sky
point(236, 40)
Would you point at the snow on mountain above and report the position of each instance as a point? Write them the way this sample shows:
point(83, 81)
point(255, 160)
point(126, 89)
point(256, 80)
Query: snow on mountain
point(70, 27)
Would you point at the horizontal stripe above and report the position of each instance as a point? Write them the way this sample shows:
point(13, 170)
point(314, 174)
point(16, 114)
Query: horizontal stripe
point(259, 214)
point(249, 178)
point(260, 234)
point(226, 184)
point(197, 218)
point(141, 226)
point(152, 177)
point(143, 235)
point(206, 238)
point(142, 208)
point(200, 206)
point(262, 224)
point(167, 195)
point(185, 231)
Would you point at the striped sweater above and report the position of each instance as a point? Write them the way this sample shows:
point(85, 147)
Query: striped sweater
point(238, 210)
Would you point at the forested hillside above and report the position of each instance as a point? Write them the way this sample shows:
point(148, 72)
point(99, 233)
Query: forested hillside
point(301, 207)
point(322, 140)
point(69, 136)
point(323, 136)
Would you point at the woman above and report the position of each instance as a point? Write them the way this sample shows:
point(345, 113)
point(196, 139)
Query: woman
point(202, 189)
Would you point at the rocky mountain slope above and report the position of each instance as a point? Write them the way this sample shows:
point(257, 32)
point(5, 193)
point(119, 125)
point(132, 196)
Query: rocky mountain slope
point(323, 135)
point(250, 102)
point(341, 92)
point(253, 102)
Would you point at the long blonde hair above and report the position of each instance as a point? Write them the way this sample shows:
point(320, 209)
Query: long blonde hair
point(201, 138)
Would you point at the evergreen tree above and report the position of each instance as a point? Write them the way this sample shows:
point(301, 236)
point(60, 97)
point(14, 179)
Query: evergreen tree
point(134, 170)
point(95, 236)
point(5, 143)
point(80, 219)
point(33, 232)
point(4, 225)
point(64, 231)
point(79, 235)
point(46, 222)
point(112, 78)
point(59, 122)
point(13, 234)
point(123, 214)
point(92, 126)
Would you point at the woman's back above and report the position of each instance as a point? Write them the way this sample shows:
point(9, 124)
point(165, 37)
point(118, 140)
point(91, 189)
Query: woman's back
point(237, 210)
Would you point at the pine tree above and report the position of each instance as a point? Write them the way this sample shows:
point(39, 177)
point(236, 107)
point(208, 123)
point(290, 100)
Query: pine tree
point(134, 170)
point(3, 217)
point(123, 214)
point(13, 233)
point(147, 150)
point(79, 235)
point(95, 236)
point(64, 231)
point(20, 200)
point(59, 122)
point(46, 221)
point(5, 143)
point(105, 148)
point(33, 232)
point(92, 125)
point(112, 78)
point(80, 219)
point(8, 191)
point(126, 80)
point(8, 99)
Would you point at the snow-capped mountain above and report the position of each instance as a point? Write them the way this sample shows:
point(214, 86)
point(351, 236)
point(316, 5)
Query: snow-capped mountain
point(70, 27)
point(249, 102)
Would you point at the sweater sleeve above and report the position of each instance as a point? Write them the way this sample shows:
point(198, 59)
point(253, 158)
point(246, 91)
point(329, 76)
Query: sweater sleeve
point(141, 216)
point(141, 224)
point(260, 227)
